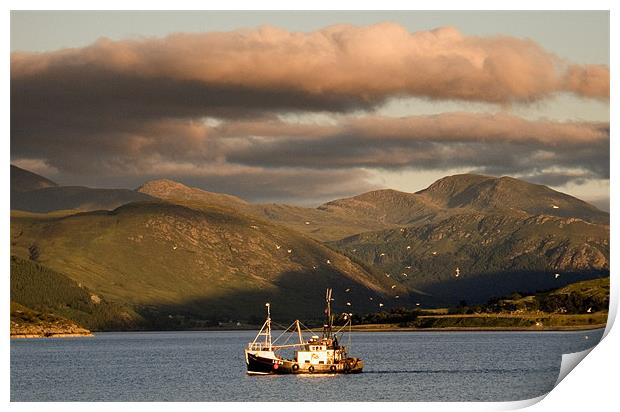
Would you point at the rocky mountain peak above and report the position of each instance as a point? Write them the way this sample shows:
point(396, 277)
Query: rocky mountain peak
point(172, 190)
point(162, 187)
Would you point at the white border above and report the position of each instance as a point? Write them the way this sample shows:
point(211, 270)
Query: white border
point(591, 386)
point(310, 5)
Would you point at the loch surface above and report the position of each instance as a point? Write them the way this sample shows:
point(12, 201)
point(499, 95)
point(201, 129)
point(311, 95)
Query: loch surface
point(209, 366)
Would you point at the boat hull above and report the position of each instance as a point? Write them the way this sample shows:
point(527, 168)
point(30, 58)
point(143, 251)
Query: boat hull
point(266, 366)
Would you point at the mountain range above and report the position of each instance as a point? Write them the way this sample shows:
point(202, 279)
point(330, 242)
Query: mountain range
point(173, 252)
point(34, 193)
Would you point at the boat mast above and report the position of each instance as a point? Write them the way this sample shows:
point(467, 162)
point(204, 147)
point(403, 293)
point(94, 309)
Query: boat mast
point(268, 325)
point(265, 331)
point(327, 327)
point(301, 340)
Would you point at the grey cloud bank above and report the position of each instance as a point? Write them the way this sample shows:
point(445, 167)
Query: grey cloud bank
point(120, 111)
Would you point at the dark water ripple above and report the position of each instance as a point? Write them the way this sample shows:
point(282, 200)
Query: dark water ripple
point(209, 366)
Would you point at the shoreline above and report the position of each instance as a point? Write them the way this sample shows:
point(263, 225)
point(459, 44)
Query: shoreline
point(483, 329)
point(362, 329)
point(53, 335)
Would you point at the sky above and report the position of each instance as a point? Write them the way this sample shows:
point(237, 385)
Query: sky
point(306, 107)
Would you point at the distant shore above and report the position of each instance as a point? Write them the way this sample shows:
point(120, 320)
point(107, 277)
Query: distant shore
point(521, 322)
point(53, 335)
point(355, 329)
point(393, 328)
point(53, 327)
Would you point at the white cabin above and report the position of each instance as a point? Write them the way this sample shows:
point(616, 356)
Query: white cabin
point(316, 352)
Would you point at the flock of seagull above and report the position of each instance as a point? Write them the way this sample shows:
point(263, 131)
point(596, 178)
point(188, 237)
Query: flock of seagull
point(457, 271)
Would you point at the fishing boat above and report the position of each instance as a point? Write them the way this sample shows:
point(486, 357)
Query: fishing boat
point(315, 355)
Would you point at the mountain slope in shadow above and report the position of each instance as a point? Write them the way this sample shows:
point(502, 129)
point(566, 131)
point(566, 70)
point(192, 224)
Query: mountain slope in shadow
point(155, 254)
point(23, 180)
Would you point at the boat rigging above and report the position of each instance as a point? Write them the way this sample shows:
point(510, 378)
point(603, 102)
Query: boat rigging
point(317, 354)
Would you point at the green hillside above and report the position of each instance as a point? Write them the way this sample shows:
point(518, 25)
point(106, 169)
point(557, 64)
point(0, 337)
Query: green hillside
point(502, 233)
point(509, 195)
point(322, 224)
point(44, 290)
point(579, 305)
point(193, 258)
point(167, 260)
point(28, 323)
point(597, 289)
point(495, 254)
point(588, 296)
point(389, 207)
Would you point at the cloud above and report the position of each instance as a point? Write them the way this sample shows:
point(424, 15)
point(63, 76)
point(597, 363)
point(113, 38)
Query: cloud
point(338, 68)
point(123, 111)
point(307, 186)
point(303, 186)
point(498, 143)
point(452, 126)
point(588, 81)
point(269, 159)
point(37, 166)
point(559, 177)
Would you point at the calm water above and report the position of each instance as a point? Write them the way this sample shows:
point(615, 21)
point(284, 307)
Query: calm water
point(209, 366)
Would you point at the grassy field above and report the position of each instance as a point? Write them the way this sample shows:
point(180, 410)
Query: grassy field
point(576, 298)
point(535, 321)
